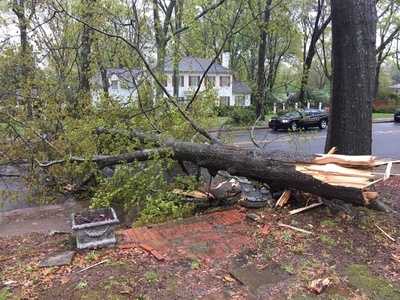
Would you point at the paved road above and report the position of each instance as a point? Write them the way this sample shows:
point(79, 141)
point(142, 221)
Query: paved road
point(385, 140)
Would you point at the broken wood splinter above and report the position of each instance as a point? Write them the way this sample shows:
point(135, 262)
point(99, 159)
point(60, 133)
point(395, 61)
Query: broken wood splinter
point(299, 210)
point(386, 234)
point(295, 228)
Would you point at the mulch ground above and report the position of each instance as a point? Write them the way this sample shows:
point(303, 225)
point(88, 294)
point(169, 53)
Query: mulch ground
point(220, 255)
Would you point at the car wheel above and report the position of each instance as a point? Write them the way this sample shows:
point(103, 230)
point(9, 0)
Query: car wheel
point(323, 124)
point(275, 128)
point(293, 126)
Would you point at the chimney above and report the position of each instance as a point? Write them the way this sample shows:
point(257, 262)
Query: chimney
point(226, 57)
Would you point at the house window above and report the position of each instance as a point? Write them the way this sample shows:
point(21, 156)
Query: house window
point(194, 81)
point(114, 84)
point(210, 81)
point(240, 100)
point(224, 100)
point(181, 99)
point(182, 81)
point(225, 81)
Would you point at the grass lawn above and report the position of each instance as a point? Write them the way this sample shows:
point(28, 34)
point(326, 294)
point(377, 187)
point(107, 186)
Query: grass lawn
point(382, 115)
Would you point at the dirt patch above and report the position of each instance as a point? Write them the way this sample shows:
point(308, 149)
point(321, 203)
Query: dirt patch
point(345, 247)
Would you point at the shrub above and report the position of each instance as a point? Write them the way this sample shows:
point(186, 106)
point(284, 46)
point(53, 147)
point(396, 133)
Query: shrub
point(384, 105)
point(142, 187)
point(242, 115)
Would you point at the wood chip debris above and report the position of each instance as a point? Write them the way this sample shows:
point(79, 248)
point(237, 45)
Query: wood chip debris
point(388, 171)
point(319, 285)
point(283, 199)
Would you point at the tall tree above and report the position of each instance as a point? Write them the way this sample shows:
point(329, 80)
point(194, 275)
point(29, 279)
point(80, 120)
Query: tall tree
point(84, 56)
point(354, 62)
point(262, 53)
point(388, 30)
point(317, 27)
point(20, 9)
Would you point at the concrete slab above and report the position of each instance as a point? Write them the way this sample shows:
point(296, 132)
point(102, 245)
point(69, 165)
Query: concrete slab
point(60, 259)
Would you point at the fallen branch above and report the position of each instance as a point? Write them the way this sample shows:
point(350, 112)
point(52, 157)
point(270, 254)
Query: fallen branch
point(92, 266)
point(295, 228)
point(328, 181)
point(299, 210)
point(110, 160)
point(386, 234)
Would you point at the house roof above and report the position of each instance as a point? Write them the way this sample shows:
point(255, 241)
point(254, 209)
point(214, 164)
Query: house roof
point(196, 65)
point(239, 87)
point(124, 74)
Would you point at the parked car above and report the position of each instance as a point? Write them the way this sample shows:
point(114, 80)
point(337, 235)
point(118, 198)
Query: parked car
point(300, 119)
point(397, 115)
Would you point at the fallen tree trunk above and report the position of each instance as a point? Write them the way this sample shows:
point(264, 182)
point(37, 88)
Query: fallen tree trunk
point(279, 174)
point(334, 181)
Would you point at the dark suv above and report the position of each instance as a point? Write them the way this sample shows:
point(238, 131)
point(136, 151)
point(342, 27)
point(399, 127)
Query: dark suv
point(397, 115)
point(300, 119)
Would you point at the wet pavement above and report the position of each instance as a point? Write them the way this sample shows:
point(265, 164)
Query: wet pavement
point(385, 140)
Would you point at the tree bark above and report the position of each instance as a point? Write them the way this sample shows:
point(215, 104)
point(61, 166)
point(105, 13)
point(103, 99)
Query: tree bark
point(177, 41)
point(354, 62)
point(104, 80)
point(84, 61)
point(25, 72)
point(262, 53)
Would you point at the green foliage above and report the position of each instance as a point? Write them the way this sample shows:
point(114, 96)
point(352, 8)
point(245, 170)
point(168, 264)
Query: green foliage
point(151, 277)
point(81, 285)
point(374, 287)
point(5, 294)
point(327, 240)
point(242, 115)
point(143, 187)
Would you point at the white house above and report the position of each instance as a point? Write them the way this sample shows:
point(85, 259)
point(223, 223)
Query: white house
point(123, 82)
point(230, 92)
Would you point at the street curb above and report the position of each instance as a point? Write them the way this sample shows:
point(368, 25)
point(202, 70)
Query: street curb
point(214, 130)
point(383, 121)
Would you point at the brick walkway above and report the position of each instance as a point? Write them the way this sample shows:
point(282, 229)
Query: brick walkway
point(206, 237)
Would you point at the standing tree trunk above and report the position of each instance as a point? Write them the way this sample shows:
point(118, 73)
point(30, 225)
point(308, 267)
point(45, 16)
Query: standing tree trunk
point(25, 70)
point(104, 81)
point(84, 61)
point(262, 53)
point(160, 32)
point(354, 62)
point(319, 27)
point(177, 40)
